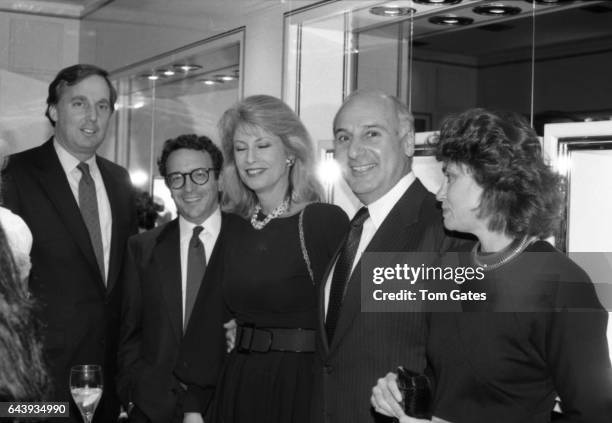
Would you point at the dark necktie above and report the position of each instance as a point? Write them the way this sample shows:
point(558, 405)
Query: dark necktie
point(342, 272)
point(196, 266)
point(88, 203)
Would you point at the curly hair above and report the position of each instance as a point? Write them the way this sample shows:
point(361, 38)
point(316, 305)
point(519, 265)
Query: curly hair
point(190, 142)
point(273, 116)
point(22, 373)
point(521, 195)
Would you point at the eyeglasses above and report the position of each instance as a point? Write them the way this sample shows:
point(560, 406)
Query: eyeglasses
point(199, 176)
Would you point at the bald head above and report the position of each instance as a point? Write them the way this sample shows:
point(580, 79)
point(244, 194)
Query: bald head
point(374, 143)
point(378, 98)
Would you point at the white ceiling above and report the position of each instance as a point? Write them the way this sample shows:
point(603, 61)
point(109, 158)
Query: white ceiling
point(81, 8)
point(60, 8)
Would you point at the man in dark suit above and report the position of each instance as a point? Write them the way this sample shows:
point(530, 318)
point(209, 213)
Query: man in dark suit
point(163, 273)
point(80, 210)
point(374, 144)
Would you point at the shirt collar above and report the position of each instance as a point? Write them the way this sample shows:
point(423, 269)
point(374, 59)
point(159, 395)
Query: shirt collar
point(212, 225)
point(380, 208)
point(69, 162)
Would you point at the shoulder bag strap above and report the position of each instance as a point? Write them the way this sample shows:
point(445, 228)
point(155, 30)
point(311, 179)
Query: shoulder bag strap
point(303, 244)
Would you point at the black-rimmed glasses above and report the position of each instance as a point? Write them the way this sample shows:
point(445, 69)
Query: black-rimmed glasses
point(199, 176)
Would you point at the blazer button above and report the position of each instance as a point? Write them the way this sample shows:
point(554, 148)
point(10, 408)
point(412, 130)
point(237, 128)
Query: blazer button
point(328, 369)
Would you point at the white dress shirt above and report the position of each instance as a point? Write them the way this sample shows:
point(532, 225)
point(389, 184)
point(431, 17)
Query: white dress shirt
point(69, 164)
point(378, 211)
point(212, 227)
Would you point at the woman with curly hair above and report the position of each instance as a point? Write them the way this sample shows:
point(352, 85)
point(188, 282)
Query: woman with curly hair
point(541, 333)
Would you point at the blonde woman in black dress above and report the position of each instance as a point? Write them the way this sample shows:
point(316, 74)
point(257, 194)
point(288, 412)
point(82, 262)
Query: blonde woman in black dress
point(274, 253)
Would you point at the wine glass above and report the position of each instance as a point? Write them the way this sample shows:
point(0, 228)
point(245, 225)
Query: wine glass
point(86, 388)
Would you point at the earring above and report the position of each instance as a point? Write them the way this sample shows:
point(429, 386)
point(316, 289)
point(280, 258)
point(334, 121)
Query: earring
point(290, 162)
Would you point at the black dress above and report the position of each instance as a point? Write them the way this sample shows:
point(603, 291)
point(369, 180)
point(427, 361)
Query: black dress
point(540, 334)
point(266, 283)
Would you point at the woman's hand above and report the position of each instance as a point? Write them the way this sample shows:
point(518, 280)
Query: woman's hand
point(386, 398)
point(230, 334)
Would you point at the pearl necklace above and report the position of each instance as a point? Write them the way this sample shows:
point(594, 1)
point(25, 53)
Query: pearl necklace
point(278, 211)
point(493, 261)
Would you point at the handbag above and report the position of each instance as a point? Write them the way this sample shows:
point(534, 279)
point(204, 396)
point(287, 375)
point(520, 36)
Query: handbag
point(416, 393)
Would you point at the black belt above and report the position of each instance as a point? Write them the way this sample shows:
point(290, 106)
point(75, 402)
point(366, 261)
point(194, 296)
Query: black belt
point(253, 339)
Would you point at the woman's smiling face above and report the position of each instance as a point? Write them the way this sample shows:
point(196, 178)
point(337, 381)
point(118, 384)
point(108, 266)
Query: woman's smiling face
point(261, 160)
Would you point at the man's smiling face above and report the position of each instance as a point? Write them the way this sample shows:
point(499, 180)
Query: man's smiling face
point(370, 145)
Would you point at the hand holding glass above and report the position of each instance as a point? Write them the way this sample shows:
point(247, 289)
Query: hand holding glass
point(86, 388)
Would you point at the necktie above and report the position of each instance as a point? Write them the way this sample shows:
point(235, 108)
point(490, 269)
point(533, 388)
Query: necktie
point(88, 203)
point(342, 272)
point(196, 266)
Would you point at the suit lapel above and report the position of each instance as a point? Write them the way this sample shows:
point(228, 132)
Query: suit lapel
point(322, 331)
point(166, 259)
point(55, 184)
point(398, 232)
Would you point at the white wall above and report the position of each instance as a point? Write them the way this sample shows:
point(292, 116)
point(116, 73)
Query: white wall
point(32, 50)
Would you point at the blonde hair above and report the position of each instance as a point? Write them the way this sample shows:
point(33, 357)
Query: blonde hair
point(275, 117)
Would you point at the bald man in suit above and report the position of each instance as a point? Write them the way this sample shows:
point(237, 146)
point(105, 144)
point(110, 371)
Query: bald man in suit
point(374, 144)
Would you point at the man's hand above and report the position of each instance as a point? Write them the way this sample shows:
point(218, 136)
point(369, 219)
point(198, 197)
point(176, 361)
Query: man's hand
point(230, 334)
point(386, 398)
point(193, 418)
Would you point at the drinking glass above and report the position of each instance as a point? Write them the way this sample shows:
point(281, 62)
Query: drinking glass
point(86, 388)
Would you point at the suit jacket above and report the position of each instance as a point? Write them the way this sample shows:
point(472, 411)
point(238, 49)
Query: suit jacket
point(152, 321)
point(201, 358)
point(366, 346)
point(79, 314)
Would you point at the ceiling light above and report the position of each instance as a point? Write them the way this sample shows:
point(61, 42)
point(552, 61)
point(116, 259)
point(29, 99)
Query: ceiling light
point(208, 81)
point(167, 72)
point(497, 9)
point(437, 1)
point(391, 11)
point(183, 67)
point(451, 20)
point(151, 76)
point(225, 78)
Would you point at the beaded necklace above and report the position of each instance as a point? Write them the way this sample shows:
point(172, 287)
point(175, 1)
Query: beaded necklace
point(278, 211)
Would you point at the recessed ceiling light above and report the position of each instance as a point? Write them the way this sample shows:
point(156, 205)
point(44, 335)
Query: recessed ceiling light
point(391, 11)
point(209, 81)
point(167, 72)
point(151, 76)
point(183, 67)
point(451, 20)
point(437, 1)
point(497, 9)
point(225, 78)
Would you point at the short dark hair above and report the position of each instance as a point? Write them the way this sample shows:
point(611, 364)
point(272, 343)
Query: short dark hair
point(190, 142)
point(72, 75)
point(521, 195)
